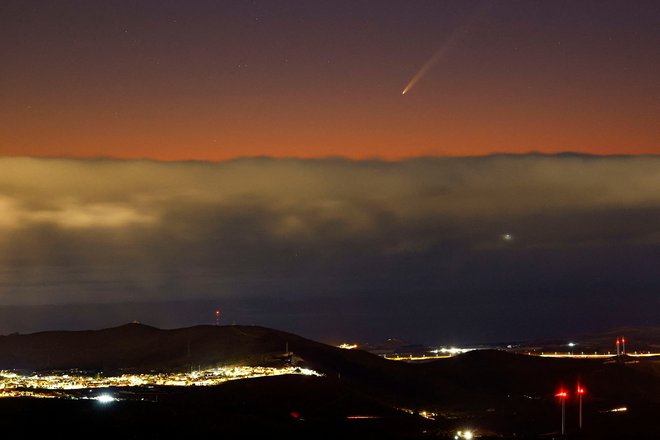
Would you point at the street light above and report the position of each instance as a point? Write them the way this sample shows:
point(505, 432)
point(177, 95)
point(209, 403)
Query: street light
point(562, 397)
point(580, 393)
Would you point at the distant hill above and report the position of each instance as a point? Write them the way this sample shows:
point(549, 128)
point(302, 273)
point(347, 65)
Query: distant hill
point(477, 375)
point(502, 390)
point(638, 340)
point(138, 347)
point(142, 348)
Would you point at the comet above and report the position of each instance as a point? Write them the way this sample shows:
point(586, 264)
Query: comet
point(435, 58)
point(454, 38)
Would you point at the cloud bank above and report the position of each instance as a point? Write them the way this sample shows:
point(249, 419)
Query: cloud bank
point(514, 238)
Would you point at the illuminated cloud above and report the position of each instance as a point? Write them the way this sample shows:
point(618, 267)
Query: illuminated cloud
point(423, 229)
point(72, 215)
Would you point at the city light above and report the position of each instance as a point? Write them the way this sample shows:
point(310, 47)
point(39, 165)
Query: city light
point(15, 385)
point(451, 350)
point(105, 398)
point(428, 415)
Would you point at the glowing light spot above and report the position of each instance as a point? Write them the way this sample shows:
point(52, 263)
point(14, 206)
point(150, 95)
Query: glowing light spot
point(467, 435)
point(105, 398)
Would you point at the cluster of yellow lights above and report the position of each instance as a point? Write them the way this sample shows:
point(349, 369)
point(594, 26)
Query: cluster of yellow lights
point(426, 414)
point(467, 435)
point(348, 346)
point(438, 353)
point(451, 350)
point(12, 384)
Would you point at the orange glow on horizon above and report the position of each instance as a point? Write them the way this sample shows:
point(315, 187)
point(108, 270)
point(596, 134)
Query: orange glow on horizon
point(466, 83)
point(391, 128)
point(355, 136)
point(182, 148)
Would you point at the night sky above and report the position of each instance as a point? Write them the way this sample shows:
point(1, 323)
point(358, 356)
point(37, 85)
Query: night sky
point(211, 80)
point(160, 159)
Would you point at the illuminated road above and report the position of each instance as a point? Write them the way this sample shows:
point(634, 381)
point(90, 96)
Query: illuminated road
point(429, 357)
point(418, 358)
point(595, 355)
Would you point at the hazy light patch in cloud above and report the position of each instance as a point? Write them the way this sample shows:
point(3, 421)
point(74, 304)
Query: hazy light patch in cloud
point(9, 215)
point(94, 215)
point(70, 214)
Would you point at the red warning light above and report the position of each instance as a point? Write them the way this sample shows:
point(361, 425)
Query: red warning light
point(580, 390)
point(217, 312)
point(562, 394)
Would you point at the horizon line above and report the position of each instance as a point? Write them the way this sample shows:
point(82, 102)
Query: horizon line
point(381, 159)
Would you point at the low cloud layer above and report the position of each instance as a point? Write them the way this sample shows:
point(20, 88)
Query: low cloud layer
point(517, 238)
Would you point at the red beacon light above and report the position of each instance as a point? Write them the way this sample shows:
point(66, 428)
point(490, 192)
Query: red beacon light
point(562, 394)
point(580, 392)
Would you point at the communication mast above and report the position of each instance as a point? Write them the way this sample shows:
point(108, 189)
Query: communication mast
point(621, 346)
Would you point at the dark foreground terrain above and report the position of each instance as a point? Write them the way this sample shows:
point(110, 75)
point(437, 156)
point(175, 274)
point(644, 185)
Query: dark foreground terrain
point(496, 394)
